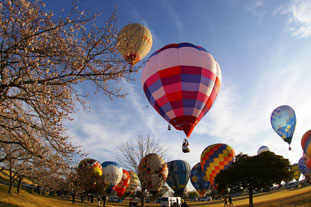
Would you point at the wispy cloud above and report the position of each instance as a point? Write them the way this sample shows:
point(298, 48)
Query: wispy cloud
point(173, 14)
point(299, 17)
point(244, 122)
point(256, 8)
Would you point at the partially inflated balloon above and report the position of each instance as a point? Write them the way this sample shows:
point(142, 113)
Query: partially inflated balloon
point(134, 42)
point(178, 175)
point(214, 159)
point(283, 121)
point(306, 143)
point(112, 173)
point(134, 183)
point(181, 82)
point(90, 165)
point(152, 172)
point(303, 167)
point(262, 149)
point(120, 188)
point(295, 168)
point(198, 180)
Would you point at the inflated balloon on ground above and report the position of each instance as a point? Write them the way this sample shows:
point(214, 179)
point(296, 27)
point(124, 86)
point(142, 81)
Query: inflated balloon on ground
point(214, 159)
point(112, 173)
point(152, 172)
point(178, 176)
point(199, 180)
point(89, 164)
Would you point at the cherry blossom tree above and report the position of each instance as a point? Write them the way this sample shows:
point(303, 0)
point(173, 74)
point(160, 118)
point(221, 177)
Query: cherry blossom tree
point(43, 58)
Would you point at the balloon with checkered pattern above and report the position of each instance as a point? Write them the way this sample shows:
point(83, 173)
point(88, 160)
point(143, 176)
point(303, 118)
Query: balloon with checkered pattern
point(198, 180)
point(283, 121)
point(214, 159)
point(181, 82)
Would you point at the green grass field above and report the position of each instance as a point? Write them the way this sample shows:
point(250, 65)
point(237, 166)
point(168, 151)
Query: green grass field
point(300, 197)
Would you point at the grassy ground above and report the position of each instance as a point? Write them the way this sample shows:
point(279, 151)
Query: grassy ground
point(300, 197)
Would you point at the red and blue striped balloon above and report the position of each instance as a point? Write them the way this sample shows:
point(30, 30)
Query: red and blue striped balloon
point(181, 82)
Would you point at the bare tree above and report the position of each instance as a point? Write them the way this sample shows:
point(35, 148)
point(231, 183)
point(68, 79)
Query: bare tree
point(43, 57)
point(133, 151)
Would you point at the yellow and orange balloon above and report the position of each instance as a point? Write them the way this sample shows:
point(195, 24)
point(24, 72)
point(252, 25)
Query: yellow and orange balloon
point(214, 159)
point(134, 42)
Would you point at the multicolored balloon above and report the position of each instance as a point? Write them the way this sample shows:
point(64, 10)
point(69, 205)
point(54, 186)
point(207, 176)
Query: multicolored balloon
point(152, 172)
point(198, 180)
point(303, 167)
point(120, 188)
point(214, 159)
point(181, 82)
point(134, 183)
point(178, 176)
point(92, 165)
point(306, 143)
point(112, 173)
point(283, 121)
point(295, 168)
point(134, 42)
point(307, 160)
point(262, 149)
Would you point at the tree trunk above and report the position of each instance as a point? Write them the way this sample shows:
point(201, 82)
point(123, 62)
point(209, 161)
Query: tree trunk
point(142, 200)
point(250, 193)
point(10, 181)
point(19, 184)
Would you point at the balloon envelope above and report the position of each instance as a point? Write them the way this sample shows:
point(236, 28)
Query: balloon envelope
point(283, 121)
point(134, 183)
point(178, 175)
point(262, 149)
point(295, 168)
point(303, 167)
point(306, 143)
point(90, 164)
point(214, 159)
point(198, 180)
point(120, 188)
point(112, 173)
point(134, 42)
point(152, 172)
point(181, 82)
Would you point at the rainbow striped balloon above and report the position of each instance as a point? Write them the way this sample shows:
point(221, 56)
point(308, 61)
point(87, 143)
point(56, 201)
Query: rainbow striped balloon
point(181, 82)
point(306, 143)
point(214, 159)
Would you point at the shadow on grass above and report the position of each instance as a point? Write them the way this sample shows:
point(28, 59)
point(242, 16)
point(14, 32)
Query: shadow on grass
point(8, 204)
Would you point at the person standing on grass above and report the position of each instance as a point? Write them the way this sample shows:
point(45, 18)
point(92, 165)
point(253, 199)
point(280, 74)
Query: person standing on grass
point(225, 201)
point(230, 201)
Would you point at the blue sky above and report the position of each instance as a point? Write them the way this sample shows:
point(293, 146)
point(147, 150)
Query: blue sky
point(264, 51)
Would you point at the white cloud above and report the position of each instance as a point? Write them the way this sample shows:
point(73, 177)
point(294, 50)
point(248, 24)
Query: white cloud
point(299, 12)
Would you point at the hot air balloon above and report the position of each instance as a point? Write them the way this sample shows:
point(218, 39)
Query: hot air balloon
point(178, 175)
point(262, 149)
point(152, 172)
point(90, 164)
point(134, 183)
point(283, 121)
point(181, 82)
point(295, 168)
point(120, 188)
point(134, 42)
point(198, 180)
point(214, 159)
point(112, 173)
point(307, 160)
point(306, 143)
point(303, 167)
